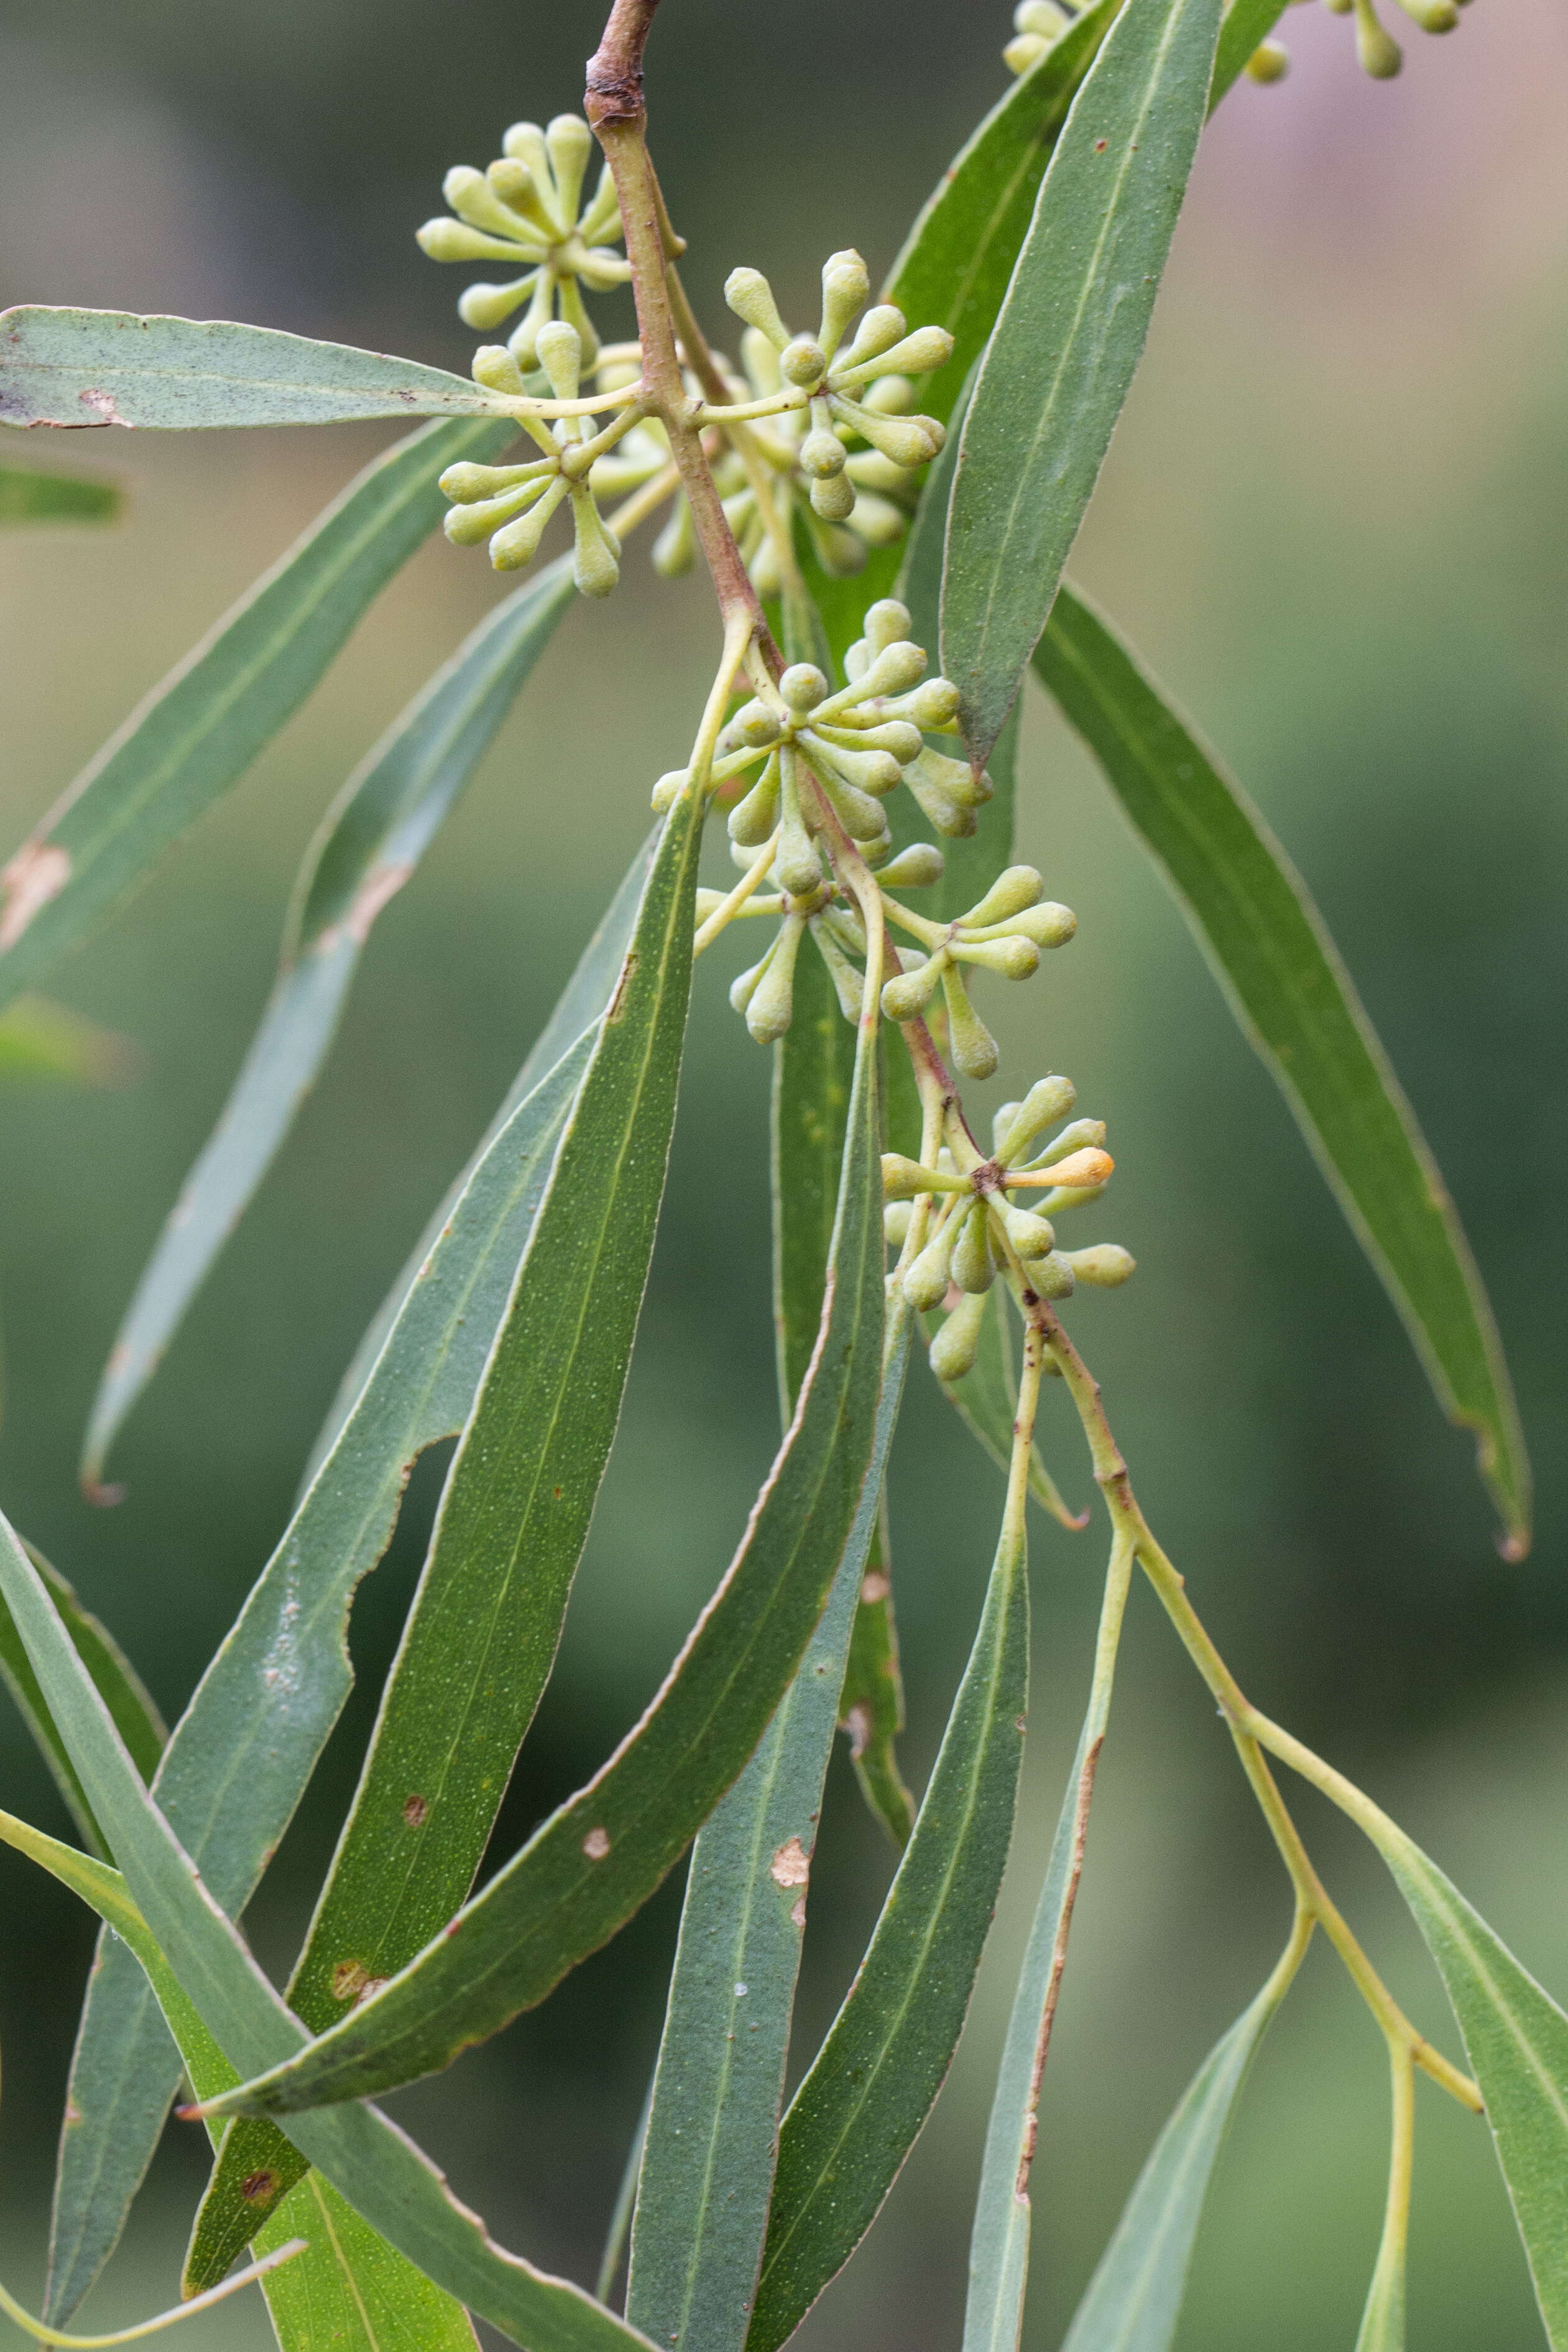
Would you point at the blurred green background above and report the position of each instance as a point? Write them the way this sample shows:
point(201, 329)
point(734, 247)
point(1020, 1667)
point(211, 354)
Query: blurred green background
point(1334, 518)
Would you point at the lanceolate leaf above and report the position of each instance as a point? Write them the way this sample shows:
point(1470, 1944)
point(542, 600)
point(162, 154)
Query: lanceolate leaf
point(481, 1636)
point(1066, 344)
point(872, 2085)
point(585, 1869)
point(1268, 945)
point(111, 367)
point(1133, 2302)
point(349, 2291)
point(242, 1752)
point(369, 846)
point(1517, 2040)
point(198, 732)
point(135, 1718)
point(26, 496)
point(369, 2161)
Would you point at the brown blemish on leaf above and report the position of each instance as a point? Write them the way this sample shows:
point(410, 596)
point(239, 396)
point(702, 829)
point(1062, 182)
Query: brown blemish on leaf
point(797, 1911)
point(257, 2185)
point(39, 872)
point(73, 2114)
point(596, 1844)
point(350, 1978)
point(790, 1867)
point(617, 1007)
point(104, 405)
point(857, 1724)
point(415, 1810)
point(371, 1986)
point(381, 883)
point(875, 1588)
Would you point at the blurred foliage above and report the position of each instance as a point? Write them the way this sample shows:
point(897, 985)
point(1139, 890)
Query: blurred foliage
point(1335, 520)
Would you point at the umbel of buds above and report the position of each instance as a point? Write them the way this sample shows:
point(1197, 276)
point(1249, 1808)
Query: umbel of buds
point(831, 381)
point(526, 210)
point(981, 1228)
point(511, 505)
point(1037, 25)
point(1003, 932)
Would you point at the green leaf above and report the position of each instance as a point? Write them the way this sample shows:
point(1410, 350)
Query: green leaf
point(480, 1638)
point(39, 1039)
point(368, 847)
point(871, 1703)
point(110, 367)
point(987, 1401)
point(707, 2165)
point(1517, 2040)
point(26, 496)
point(367, 2159)
point(349, 2291)
point(872, 2083)
point(135, 1718)
point(585, 1870)
point(239, 1760)
point(197, 732)
point(1269, 949)
point(1134, 2300)
point(1066, 344)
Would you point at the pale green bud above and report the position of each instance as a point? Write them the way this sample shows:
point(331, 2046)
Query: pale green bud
point(861, 816)
point(603, 217)
point(1048, 926)
point(760, 361)
point(803, 686)
point(474, 200)
point(596, 556)
point(938, 806)
point(834, 499)
point(445, 239)
point(1432, 15)
point(1106, 1265)
point(797, 866)
point(669, 788)
point(1052, 1276)
point(1015, 888)
point(751, 297)
point(956, 1345)
point(1269, 62)
point(887, 622)
point(1014, 958)
point(485, 308)
point(916, 354)
point(1041, 16)
point(1002, 1120)
point(872, 471)
point(883, 326)
point(495, 369)
point(524, 142)
point(465, 484)
point(753, 819)
point(1023, 50)
point(907, 440)
point(560, 349)
point(849, 985)
point(896, 1224)
point(675, 550)
point(468, 524)
point(933, 706)
point(801, 362)
point(1380, 53)
point(517, 544)
point(904, 1178)
point(973, 1267)
point(770, 1006)
point(914, 868)
point(869, 771)
point(838, 552)
point(570, 144)
point(875, 520)
point(1031, 1235)
point(846, 285)
point(512, 183)
point(1047, 1100)
point(896, 669)
point(890, 395)
point(906, 991)
point(758, 724)
point(926, 1279)
point(821, 456)
point(976, 1053)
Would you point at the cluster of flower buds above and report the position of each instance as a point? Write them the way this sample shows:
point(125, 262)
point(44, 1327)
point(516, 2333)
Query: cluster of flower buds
point(1037, 25)
point(1003, 932)
point(979, 1227)
point(1380, 54)
point(765, 992)
point(526, 210)
point(831, 382)
point(511, 505)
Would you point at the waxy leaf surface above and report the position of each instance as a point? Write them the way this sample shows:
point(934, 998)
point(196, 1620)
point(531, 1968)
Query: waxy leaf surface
point(1269, 947)
point(198, 732)
point(369, 846)
point(1066, 345)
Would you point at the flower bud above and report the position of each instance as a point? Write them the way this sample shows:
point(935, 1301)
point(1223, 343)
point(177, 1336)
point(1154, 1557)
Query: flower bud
point(517, 543)
point(803, 686)
point(914, 868)
point(933, 706)
point(1015, 888)
point(1052, 1276)
point(877, 520)
point(906, 992)
point(770, 1004)
point(1047, 1100)
point(954, 779)
point(669, 788)
point(926, 1280)
point(1031, 1235)
point(596, 555)
point(907, 440)
point(751, 297)
point(1012, 957)
point(560, 349)
point(821, 456)
point(845, 284)
point(973, 1267)
point(849, 985)
point(1269, 62)
point(883, 326)
point(896, 669)
point(896, 1224)
point(801, 362)
point(956, 1345)
point(1106, 1265)
point(869, 771)
point(916, 354)
point(1432, 15)
point(835, 498)
point(485, 308)
point(1023, 50)
point(1042, 17)
point(467, 523)
point(475, 200)
point(1071, 1139)
point(494, 368)
point(751, 821)
point(758, 724)
point(1380, 53)
point(887, 622)
point(1083, 1167)
point(445, 239)
point(570, 144)
point(797, 868)
point(1049, 926)
point(903, 1179)
point(975, 1050)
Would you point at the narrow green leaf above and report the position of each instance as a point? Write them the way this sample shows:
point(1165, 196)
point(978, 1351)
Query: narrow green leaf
point(481, 1636)
point(1268, 945)
point(1134, 2300)
point(1382, 2325)
point(581, 1002)
point(110, 367)
point(367, 2159)
point(1247, 23)
point(1066, 345)
point(27, 496)
point(587, 1869)
point(39, 1039)
point(240, 1757)
point(987, 1401)
point(872, 2083)
point(135, 1718)
point(871, 1703)
point(1517, 2040)
point(198, 732)
point(349, 2291)
point(369, 846)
